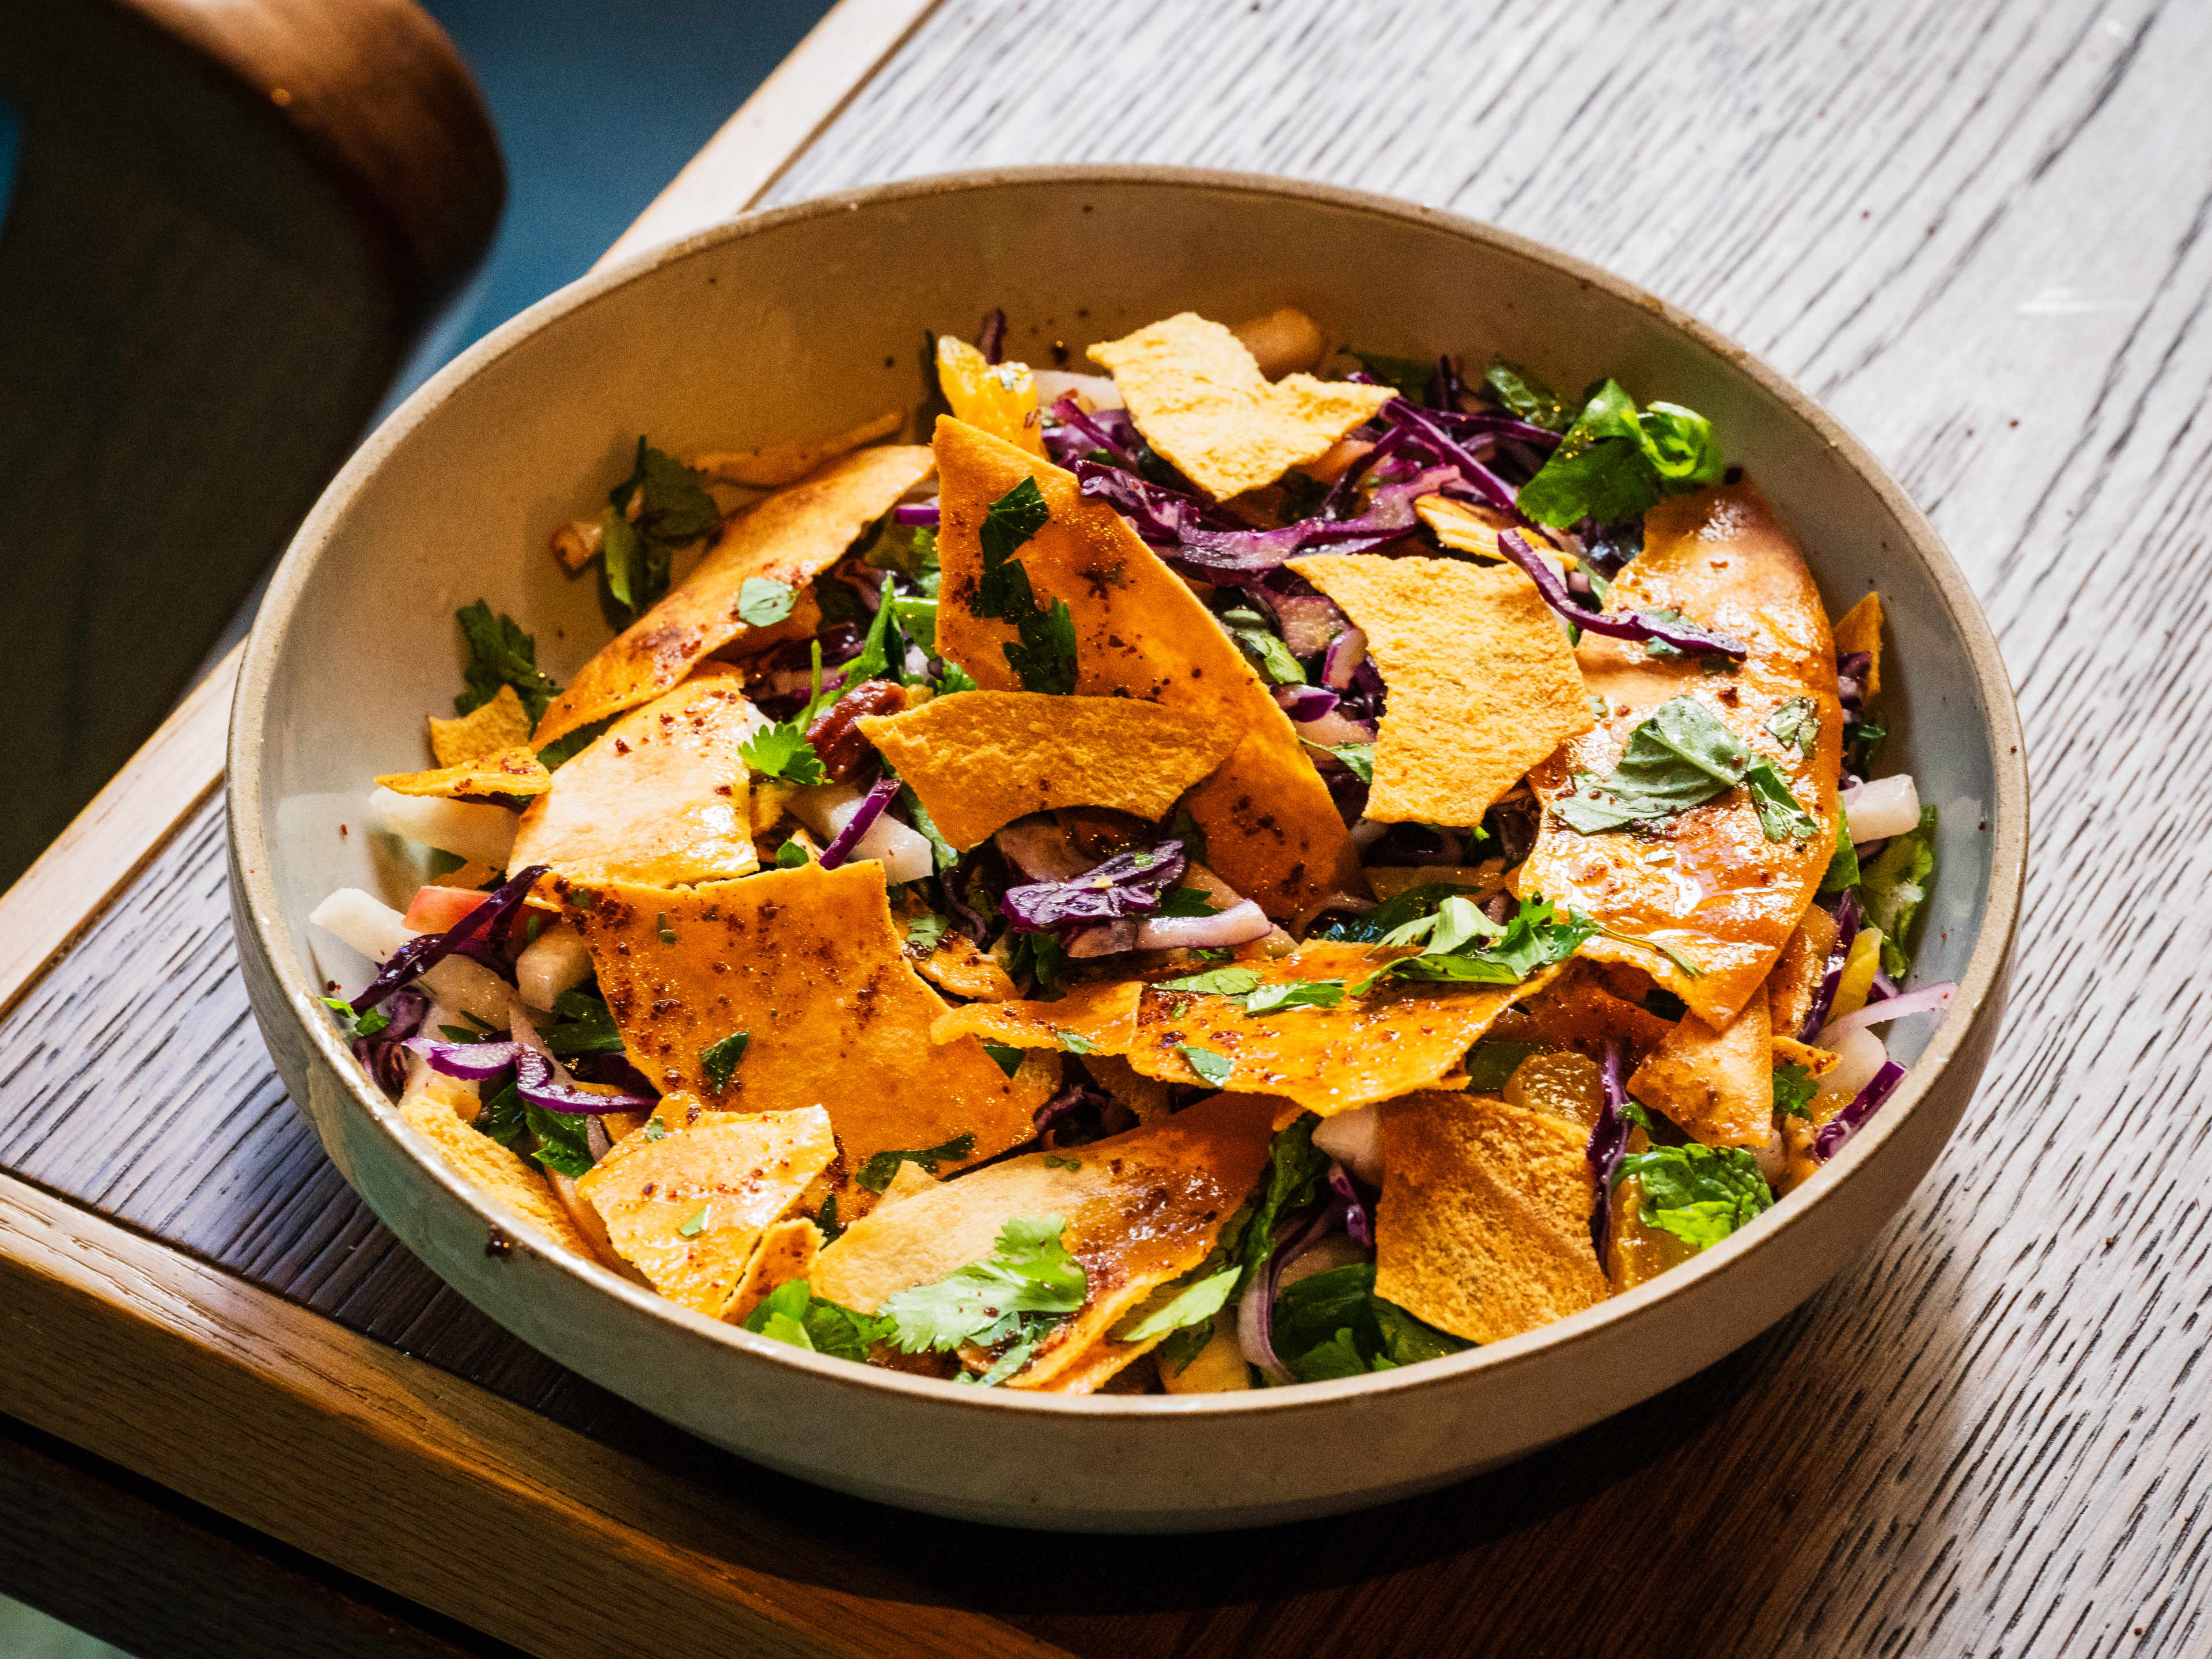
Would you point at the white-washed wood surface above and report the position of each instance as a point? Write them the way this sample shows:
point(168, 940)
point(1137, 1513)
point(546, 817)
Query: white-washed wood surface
point(1977, 232)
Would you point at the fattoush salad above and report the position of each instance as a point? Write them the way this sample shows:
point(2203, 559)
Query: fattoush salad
point(1255, 865)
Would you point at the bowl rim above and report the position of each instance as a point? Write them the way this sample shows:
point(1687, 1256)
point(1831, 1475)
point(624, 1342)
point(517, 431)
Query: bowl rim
point(1981, 987)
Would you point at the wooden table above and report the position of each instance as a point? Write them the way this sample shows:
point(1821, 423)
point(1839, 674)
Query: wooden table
point(242, 1413)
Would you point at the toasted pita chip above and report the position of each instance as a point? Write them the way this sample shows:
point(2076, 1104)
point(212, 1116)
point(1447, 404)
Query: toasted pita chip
point(785, 1251)
point(777, 465)
point(1484, 1226)
point(791, 537)
point(1482, 682)
point(1859, 629)
point(1400, 1036)
point(504, 1175)
point(516, 772)
point(1577, 1011)
point(1788, 1051)
point(1794, 979)
point(1271, 830)
point(658, 798)
point(955, 963)
point(1197, 394)
point(687, 1209)
point(1466, 527)
point(1148, 1099)
point(489, 729)
point(1729, 898)
point(1000, 399)
point(1141, 1208)
point(805, 963)
point(1718, 1084)
point(982, 759)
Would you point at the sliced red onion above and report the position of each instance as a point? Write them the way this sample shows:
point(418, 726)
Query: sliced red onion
point(472, 1062)
point(1356, 1220)
point(1308, 621)
point(1128, 884)
point(1846, 1123)
point(1345, 653)
point(1608, 1143)
point(473, 935)
point(534, 1080)
point(1256, 1313)
point(1305, 702)
point(1314, 910)
point(1849, 917)
point(1241, 923)
point(1930, 999)
point(921, 512)
point(1104, 939)
point(1643, 625)
point(991, 338)
point(1334, 728)
point(1093, 432)
point(864, 816)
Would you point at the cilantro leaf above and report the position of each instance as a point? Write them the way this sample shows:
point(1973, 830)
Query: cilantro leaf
point(782, 751)
point(500, 653)
point(763, 601)
point(923, 933)
point(1700, 1193)
point(1358, 757)
point(793, 1313)
point(1780, 816)
point(876, 1173)
point(1796, 724)
point(1680, 757)
point(1614, 464)
point(1027, 1284)
point(1525, 397)
point(1794, 1089)
point(673, 509)
point(1410, 375)
point(586, 1026)
point(1375, 925)
point(718, 1062)
point(1263, 646)
point(1894, 886)
point(563, 1145)
point(1213, 1069)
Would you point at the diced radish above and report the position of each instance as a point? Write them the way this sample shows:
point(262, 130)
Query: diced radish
point(1881, 808)
point(465, 828)
point(1355, 1140)
point(556, 961)
point(370, 927)
point(1860, 1055)
point(434, 910)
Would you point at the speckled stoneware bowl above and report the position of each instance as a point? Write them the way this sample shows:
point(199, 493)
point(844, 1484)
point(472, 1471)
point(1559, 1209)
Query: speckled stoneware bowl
point(810, 318)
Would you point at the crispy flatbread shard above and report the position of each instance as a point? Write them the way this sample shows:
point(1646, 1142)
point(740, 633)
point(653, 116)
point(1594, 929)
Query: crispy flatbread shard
point(1197, 394)
point(1142, 1209)
point(489, 729)
point(1273, 832)
point(982, 759)
point(1575, 1010)
point(1727, 898)
point(785, 1251)
point(955, 963)
point(1788, 1051)
point(807, 962)
point(1859, 629)
point(1484, 1226)
point(1400, 1036)
point(1000, 398)
point(516, 772)
point(1796, 977)
point(777, 465)
point(1482, 682)
point(687, 1209)
point(1389, 880)
point(1473, 527)
point(1718, 1084)
point(791, 537)
point(658, 798)
point(504, 1175)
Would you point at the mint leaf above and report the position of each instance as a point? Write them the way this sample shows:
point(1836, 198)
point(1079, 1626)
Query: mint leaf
point(1794, 1089)
point(1680, 757)
point(718, 1062)
point(1410, 375)
point(1525, 397)
point(1796, 724)
point(1892, 888)
point(1359, 757)
point(1214, 1069)
point(1332, 1324)
point(1779, 814)
point(763, 601)
point(1538, 934)
point(673, 509)
point(500, 653)
point(876, 1173)
point(1614, 464)
point(782, 751)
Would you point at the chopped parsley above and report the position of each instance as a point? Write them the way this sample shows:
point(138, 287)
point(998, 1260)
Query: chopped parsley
point(562, 1141)
point(661, 929)
point(878, 1172)
point(1043, 656)
point(1780, 816)
point(1357, 758)
point(500, 653)
point(356, 1025)
point(1243, 983)
point(1794, 1089)
point(718, 1062)
point(782, 751)
point(673, 510)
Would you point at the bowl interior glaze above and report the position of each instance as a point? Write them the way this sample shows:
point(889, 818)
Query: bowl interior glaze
point(812, 319)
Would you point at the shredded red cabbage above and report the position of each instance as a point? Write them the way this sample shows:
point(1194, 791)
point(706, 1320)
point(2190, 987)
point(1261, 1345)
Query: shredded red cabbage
point(1849, 918)
point(921, 512)
point(384, 1056)
point(1632, 625)
point(1305, 702)
point(1431, 432)
point(1128, 884)
point(535, 1082)
point(1846, 1123)
point(1183, 530)
point(1081, 434)
point(1357, 1222)
point(472, 1062)
point(1608, 1143)
point(481, 934)
point(991, 338)
point(863, 820)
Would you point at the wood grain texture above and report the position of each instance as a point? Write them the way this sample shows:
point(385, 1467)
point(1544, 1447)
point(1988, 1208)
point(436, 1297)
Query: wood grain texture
point(1979, 233)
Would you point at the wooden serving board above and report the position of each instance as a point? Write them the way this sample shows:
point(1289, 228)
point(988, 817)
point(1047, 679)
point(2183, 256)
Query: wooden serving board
point(1980, 234)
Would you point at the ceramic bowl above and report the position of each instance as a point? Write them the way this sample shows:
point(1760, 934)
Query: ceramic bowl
point(810, 318)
